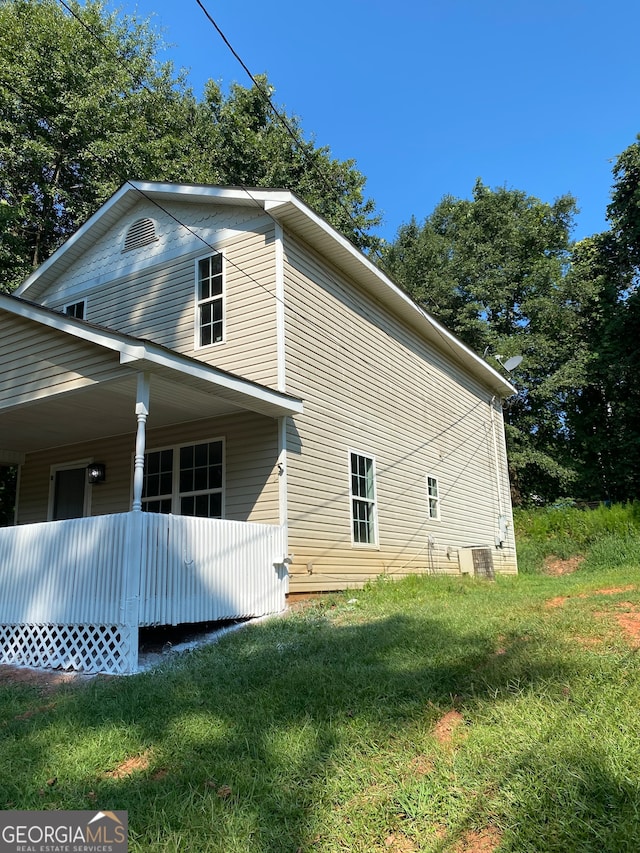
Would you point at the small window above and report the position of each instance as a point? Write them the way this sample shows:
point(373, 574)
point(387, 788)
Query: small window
point(363, 499)
point(209, 298)
point(184, 480)
point(142, 232)
point(433, 498)
point(75, 309)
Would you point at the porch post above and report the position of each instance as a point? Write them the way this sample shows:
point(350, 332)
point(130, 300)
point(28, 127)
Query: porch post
point(142, 412)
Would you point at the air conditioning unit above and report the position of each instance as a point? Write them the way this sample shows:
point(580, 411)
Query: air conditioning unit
point(476, 560)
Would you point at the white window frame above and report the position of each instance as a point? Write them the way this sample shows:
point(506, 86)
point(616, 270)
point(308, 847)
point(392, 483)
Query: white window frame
point(82, 302)
point(222, 297)
point(176, 494)
point(371, 501)
point(433, 515)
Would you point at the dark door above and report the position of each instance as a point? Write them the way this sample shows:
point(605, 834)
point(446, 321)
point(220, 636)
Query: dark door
point(68, 495)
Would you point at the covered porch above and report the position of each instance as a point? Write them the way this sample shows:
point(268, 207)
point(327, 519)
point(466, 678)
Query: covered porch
point(79, 577)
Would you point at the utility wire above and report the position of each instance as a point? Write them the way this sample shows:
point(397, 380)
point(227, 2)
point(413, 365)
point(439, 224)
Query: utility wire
point(298, 142)
point(302, 317)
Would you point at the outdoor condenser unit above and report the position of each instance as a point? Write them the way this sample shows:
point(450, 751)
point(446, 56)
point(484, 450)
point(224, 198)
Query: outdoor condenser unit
point(477, 561)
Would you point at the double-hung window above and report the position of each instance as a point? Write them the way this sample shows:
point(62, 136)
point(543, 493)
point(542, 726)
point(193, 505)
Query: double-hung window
point(433, 498)
point(363, 499)
point(209, 300)
point(185, 480)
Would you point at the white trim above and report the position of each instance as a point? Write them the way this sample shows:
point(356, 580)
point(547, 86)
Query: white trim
point(280, 309)
point(17, 500)
point(375, 545)
point(197, 345)
point(69, 466)
point(282, 472)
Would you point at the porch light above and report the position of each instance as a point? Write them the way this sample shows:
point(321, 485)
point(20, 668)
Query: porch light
point(96, 473)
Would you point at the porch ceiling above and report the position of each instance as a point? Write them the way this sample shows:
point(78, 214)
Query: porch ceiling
point(103, 410)
point(63, 381)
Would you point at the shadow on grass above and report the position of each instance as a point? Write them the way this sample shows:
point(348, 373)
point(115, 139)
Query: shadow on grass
point(241, 743)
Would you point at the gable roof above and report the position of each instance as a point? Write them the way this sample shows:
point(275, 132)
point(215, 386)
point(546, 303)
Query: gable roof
point(294, 215)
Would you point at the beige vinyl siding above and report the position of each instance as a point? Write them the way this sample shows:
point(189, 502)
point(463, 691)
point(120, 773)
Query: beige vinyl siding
point(38, 362)
point(251, 477)
point(372, 386)
point(155, 297)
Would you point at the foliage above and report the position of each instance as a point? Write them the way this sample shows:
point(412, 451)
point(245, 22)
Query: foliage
point(493, 269)
point(566, 531)
point(426, 714)
point(85, 105)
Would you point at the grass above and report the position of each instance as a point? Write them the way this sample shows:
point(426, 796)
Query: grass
point(324, 730)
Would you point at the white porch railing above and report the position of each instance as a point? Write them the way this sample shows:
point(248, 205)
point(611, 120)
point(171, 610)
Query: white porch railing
point(73, 593)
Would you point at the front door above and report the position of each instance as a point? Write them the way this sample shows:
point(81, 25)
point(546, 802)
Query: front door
point(69, 493)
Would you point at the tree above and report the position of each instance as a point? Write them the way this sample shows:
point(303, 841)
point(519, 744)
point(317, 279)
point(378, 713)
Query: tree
point(493, 269)
point(85, 105)
point(605, 417)
point(240, 140)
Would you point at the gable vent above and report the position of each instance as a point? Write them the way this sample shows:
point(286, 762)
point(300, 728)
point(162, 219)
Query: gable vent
point(142, 231)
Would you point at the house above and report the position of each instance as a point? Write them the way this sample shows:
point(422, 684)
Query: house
point(214, 399)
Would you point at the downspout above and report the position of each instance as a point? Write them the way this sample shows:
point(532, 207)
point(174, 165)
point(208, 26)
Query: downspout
point(283, 511)
point(501, 535)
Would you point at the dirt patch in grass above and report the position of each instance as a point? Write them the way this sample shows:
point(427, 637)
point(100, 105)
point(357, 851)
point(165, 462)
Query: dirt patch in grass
point(611, 590)
point(397, 842)
point(447, 725)
point(558, 601)
point(421, 765)
point(132, 765)
point(46, 680)
point(485, 841)
point(556, 566)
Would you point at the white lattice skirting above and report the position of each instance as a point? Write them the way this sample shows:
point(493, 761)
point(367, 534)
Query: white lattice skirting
point(110, 649)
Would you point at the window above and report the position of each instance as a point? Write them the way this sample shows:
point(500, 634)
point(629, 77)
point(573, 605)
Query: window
point(184, 480)
point(210, 317)
point(363, 499)
point(75, 309)
point(433, 498)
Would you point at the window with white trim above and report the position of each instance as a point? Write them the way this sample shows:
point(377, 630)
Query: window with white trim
point(210, 300)
point(75, 309)
point(433, 498)
point(184, 480)
point(363, 499)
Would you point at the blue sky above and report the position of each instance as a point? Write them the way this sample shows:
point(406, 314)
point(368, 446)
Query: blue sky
point(535, 95)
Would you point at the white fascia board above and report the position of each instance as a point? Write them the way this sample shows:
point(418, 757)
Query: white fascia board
point(75, 238)
point(152, 355)
point(459, 349)
point(134, 352)
point(62, 323)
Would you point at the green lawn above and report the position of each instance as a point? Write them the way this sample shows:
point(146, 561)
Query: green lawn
point(431, 714)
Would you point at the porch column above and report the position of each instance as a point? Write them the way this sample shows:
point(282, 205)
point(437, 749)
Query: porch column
point(142, 413)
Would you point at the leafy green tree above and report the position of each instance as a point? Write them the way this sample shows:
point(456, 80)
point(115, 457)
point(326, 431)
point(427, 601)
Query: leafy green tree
point(85, 105)
point(239, 140)
point(493, 269)
point(605, 417)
